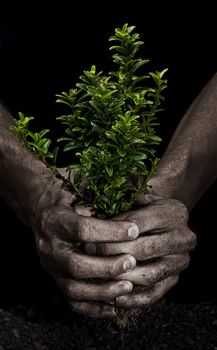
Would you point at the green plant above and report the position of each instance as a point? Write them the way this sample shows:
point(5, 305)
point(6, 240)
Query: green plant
point(35, 142)
point(110, 129)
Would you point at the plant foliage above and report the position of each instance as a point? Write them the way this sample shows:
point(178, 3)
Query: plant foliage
point(110, 129)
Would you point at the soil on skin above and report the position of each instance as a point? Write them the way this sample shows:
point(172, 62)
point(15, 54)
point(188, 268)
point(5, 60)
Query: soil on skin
point(183, 321)
point(167, 325)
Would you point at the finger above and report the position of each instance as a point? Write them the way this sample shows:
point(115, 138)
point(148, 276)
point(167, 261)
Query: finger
point(84, 266)
point(61, 257)
point(160, 215)
point(97, 230)
point(155, 271)
point(68, 226)
point(81, 290)
point(145, 199)
point(94, 310)
point(148, 247)
point(147, 297)
point(84, 210)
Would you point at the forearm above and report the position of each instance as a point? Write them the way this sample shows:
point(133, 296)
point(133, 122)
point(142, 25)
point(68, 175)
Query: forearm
point(189, 165)
point(23, 178)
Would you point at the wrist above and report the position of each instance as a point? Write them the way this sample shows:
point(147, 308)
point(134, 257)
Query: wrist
point(23, 177)
point(171, 181)
point(52, 193)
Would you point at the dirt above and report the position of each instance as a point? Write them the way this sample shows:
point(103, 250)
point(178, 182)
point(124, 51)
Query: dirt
point(167, 325)
point(31, 318)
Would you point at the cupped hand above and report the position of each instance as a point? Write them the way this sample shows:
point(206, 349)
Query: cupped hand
point(87, 281)
point(162, 249)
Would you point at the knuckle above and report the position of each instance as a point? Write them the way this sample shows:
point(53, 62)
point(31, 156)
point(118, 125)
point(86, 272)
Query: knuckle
point(163, 272)
point(150, 277)
point(186, 262)
point(174, 280)
point(193, 238)
point(68, 289)
point(41, 246)
point(74, 270)
point(76, 307)
point(46, 248)
point(184, 212)
point(44, 220)
point(180, 263)
point(180, 209)
point(158, 274)
point(47, 221)
point(187, 259)
point(72, 291)
point(149, 297)
point(44, 254)
point(142, 250)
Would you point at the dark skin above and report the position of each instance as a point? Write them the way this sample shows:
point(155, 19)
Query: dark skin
point(186, 171)
point(159, 224)
point(36, 196)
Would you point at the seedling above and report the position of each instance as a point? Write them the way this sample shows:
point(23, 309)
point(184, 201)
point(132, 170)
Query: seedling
point(110, 130)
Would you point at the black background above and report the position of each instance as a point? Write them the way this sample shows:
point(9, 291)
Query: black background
point(42, 52)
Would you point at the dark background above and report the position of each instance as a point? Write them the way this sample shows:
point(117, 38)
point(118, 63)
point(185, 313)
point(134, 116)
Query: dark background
point(42, 52)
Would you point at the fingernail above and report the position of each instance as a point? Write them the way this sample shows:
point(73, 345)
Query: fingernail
point(126, 285)
point(129, 264)
point(149, 198)
point(133, 231)
point(84, 211)
point(122, 298)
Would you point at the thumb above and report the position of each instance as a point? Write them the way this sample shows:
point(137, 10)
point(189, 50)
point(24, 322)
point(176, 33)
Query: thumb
point(84, 210)
point(146, 198)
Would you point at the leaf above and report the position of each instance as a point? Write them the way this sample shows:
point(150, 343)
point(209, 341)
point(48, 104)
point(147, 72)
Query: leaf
point(119, 195)
point(109, 170)
point(105, 199)
point(70, 146)
point(73, 166)
point(110, 130)
point(134, 141)
point(121, 152)
point(43, 132)
point(136, 155)
point(163, 72)
point(111, 135)
point(64, 139)
point(46, 144)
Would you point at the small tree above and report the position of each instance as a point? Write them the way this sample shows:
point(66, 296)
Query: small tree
point(110, 130)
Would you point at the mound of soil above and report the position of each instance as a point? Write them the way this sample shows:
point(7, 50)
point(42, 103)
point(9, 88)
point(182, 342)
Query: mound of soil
point(166, 326)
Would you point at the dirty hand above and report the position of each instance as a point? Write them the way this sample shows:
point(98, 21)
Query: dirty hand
point(161, 250)
point(87, 281)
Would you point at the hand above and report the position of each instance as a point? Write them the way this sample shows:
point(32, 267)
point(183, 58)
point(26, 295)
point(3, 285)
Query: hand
point(60, 232)
point(161, 250)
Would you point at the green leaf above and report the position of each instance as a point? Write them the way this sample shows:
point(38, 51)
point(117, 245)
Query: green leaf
point(69, 146)
point(109, 170)
point(64, 139)
point(136, 155)
point(110, 131)
point(121, 152)
point(111, 135)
